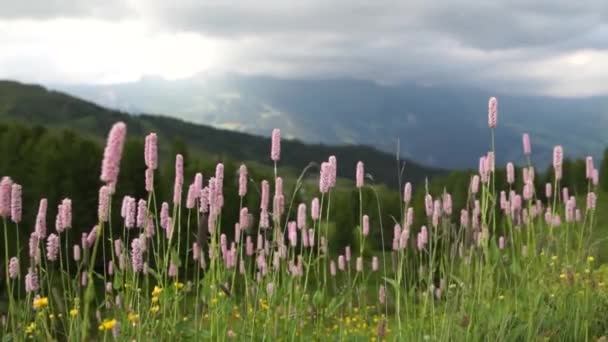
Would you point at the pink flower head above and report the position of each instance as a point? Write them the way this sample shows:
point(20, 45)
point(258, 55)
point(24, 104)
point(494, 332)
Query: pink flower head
point(16, 202)
point(91, 237)
point(304, 238)
point(407, 192)
point(292, 233)
point(565, 195)
point(333, 171)
point(428, 205)
point(275, 151)
point(149, 180)
point(265, 197)
point(31, 281)
point(141, 213)
point(151, 151)
point(396, 231)
point(52, 247)
point(219, 176)
point(137, 255)
point(278, 187)
point(164, 215)
point(492, 112)
point(13, 268)
point(41, 219)
point(360, 175)
point(475, 184)
point(501, 242)
point(464, 217)
point(169, 228)
point(113, 153)
point(130, 213)
point(172, 270)
point(420, 242)
point(324, 178)
point(311, 237)
point(314, 210)
point(365, 228)
point(410, 216)
point(347, 253)
point(76, 253)
point(484, 171)
point(6, 185)
point(66, 213)
point(447, 204)
point(191, 196)
point(424, 234)
point(332, 268)
point(548, 190)
point(490, 162)
point(527, 144)
point(528, 191)
point(149, 228)
point(558, 158)
point(375, 264)
point(244, 218)
point(249, 250)
point(104, 202)
point(510, 173)
point(179, 179)
point(503, 200)
point(359, 264)
point(589, 167)
point(301, 219)
point(242, 180)
point(341, 263)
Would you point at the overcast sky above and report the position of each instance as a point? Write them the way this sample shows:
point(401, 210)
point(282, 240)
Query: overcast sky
point(556, 47)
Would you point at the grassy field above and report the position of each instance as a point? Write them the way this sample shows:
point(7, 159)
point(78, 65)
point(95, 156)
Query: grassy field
point(511, 269)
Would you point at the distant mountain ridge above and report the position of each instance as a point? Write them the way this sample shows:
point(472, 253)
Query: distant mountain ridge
point(443, 127)
point(35, 105)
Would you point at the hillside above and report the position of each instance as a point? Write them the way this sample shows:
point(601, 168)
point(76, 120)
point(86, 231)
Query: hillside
point(32, 104)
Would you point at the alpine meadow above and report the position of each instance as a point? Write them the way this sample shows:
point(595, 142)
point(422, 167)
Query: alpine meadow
point(228, 251)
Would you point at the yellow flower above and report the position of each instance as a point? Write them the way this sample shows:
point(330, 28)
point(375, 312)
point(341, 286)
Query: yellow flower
point(155, 309)
point(554, 257)
point(74, 312)
point(133, 317)
point(562, 276)
point(587, 270)
point(179, 285)
point(155, 299)
point(501, 297)
point(51, 316)
point(590, 259)
point(157, 290)
point(30, 328)
point(40, 303)
point(107, 324)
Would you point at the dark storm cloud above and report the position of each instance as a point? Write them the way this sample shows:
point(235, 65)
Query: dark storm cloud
point(501, 44)
point(488, 24)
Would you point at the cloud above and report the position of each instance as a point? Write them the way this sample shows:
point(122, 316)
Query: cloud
point(51, 9)
point(552, 47)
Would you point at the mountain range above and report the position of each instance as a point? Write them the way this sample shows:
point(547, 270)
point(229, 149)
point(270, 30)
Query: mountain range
point(35, 105)
point(437, 126)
